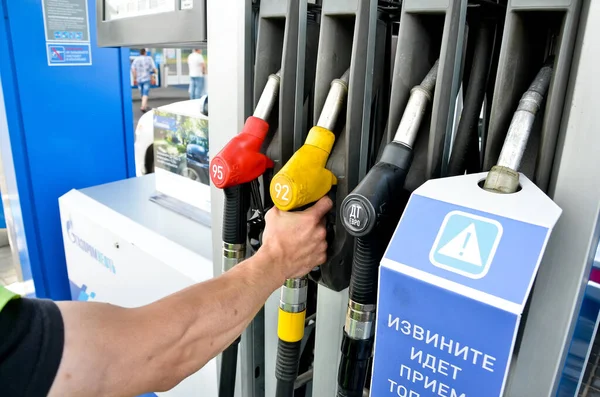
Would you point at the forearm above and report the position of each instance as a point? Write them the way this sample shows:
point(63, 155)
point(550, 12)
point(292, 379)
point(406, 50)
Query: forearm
point(115, 351)
point(208, 317)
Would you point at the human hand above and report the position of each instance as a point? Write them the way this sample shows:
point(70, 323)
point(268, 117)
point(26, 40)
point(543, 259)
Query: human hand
point(295, 241)
point(135, 82)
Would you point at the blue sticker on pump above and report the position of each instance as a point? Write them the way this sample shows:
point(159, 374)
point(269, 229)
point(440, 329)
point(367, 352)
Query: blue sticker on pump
point(69, 54)
point(486, 252)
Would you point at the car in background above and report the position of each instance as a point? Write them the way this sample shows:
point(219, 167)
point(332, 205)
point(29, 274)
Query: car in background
point(197, 161)
point(197, 157)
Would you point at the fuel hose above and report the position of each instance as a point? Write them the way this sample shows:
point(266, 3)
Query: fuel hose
point(504, 176)
point(367, 214)
point(301, 181)
point(465, 149)
point(234, 169)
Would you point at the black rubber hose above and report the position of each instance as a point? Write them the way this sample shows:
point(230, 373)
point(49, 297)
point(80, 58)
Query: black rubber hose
point(286, 367)
point(354, 365)
point(228, 370)
point(365, 265)
point(465, 149)
point(235, 213)
point(284, 389)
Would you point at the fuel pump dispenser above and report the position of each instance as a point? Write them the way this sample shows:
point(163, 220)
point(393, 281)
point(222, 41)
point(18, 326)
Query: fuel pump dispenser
point(368, 215)
point(234, 169)
point(301, 181)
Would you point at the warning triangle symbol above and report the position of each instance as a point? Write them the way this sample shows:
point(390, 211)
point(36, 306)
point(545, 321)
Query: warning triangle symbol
point(464, 247)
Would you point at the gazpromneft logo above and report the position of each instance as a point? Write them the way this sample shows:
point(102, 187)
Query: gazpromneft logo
point(90, 249)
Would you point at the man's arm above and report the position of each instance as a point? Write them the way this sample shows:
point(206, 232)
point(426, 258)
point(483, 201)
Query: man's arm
point(133, 67)
point(113, 351)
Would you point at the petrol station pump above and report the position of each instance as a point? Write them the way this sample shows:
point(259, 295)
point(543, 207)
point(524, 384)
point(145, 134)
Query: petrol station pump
point(453, 138)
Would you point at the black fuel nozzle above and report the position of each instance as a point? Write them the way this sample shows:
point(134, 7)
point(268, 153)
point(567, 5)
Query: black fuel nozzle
point(369, 213)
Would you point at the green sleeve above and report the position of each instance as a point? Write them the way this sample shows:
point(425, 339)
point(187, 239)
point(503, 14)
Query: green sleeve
point(6, 296)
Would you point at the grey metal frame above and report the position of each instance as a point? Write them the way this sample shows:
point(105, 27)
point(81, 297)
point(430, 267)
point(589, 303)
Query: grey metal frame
point(417, 49)
point(179, 28)
point(523, 41)
point(562, 277)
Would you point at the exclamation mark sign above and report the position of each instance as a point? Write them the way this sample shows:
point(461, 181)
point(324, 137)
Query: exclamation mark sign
point(467, 237)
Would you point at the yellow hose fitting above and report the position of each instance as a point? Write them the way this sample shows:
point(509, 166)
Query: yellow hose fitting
point(290, 326)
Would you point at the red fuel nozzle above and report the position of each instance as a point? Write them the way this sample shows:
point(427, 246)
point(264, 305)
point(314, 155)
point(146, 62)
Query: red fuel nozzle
point(240, 161)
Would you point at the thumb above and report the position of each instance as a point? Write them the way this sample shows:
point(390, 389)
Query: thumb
point(320, 208)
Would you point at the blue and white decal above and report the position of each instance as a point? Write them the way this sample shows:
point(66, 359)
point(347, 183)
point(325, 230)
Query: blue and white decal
point(476, 252)
point(466, 244)
point(69, 54)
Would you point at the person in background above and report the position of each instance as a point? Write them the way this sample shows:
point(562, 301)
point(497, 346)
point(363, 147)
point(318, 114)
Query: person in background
point(197, 68)
point(143, 67)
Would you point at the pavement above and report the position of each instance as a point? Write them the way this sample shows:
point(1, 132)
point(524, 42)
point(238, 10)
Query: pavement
point(158, 97)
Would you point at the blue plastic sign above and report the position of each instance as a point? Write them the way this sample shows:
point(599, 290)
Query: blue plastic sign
point(434, 342)
point(68, 54)
point(509, 250)
point(452, 287)
point(466, 244)
point(67, 33)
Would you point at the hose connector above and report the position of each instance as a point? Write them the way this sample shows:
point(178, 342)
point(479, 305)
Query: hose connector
point(233, 254)
point(292, 310)
point(360, 320)
point(501, 180)
point(304, 178)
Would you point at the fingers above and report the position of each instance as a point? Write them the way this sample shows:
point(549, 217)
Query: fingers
point(271, 213)
point(320, 208)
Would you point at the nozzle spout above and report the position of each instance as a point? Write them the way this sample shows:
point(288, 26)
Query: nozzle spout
point(334, 102)
point(268, 97)
point(523, 119)
point(420, 96)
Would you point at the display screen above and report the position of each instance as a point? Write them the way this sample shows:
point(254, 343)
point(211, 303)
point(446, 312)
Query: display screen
point(119, 9)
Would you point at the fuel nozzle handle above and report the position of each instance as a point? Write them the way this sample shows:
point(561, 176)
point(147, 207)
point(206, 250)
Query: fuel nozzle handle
point(240, 161)
point(503, 177)
point(362, 211)
point(362, 208)
point(304, 178)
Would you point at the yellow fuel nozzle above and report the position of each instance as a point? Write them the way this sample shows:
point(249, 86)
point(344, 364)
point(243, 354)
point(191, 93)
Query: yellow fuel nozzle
point(304, 178)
